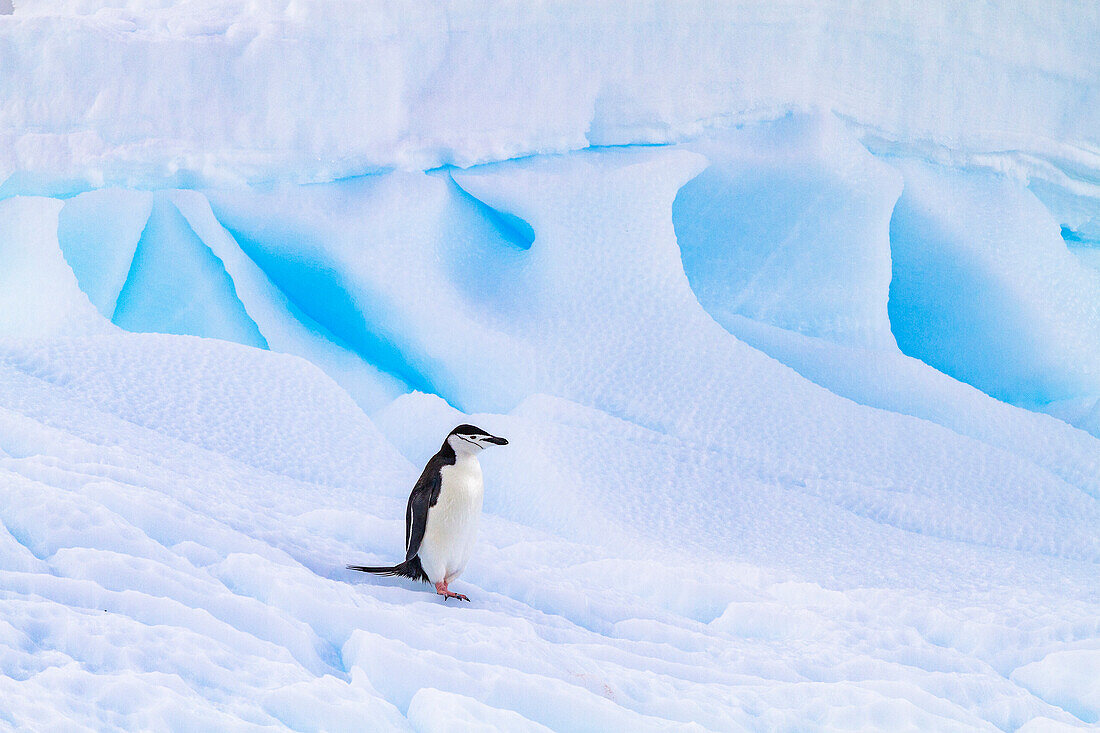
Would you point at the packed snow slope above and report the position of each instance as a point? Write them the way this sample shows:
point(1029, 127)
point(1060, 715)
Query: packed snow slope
point(800, 377)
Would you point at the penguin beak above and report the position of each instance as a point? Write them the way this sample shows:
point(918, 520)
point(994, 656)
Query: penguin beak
point(496, 441)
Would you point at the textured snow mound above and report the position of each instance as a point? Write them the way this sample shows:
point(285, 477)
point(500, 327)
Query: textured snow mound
point(1069, 678)
point(154, 575)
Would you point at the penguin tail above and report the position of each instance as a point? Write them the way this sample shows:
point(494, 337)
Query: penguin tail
point(408, 569)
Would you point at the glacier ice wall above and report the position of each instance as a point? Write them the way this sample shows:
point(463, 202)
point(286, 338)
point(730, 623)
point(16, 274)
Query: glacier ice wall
point(313, 91)
point(791, 224)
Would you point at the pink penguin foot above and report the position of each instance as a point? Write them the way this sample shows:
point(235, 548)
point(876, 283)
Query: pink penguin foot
point(441, 589)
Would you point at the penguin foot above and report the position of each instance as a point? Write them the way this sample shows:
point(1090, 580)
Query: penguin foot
point(441, 589)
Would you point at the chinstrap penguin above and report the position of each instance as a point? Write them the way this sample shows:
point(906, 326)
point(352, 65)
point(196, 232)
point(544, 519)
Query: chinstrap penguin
point(443, 511)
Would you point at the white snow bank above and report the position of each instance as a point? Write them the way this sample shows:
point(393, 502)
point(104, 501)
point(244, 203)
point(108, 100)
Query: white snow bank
point(781, 523)
point(38, 294)
point(597, 310)
point(434, 711)
point(789, 225)
point(163, 263)
point(893, 381)
point(1069, 679)
point(412, 273)
point(370, 278)
point(293, 421)
point(985, 290)
point(177, 512)
point(314, 91)
point(98, 232)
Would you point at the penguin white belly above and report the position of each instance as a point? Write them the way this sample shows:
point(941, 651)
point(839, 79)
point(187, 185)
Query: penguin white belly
point(451, 528)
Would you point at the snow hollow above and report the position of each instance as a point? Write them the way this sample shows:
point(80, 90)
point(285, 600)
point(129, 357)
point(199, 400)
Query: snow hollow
point(790, 314)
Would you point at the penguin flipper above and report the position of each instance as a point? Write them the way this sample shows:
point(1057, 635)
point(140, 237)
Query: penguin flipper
point(424, 496)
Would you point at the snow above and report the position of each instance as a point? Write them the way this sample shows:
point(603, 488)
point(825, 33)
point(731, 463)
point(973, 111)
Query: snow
point(1070, 678)
point(177, 285)
point(314, 91)
point(789, 314)
point(434, 710)
point(985, 290)
point(163, 263)
point(39, 296)
point(397, 267)
point(174, 582)
point(789, 225)
point(98, 232)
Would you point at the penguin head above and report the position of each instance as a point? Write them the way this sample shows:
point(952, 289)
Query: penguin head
point(471, 439)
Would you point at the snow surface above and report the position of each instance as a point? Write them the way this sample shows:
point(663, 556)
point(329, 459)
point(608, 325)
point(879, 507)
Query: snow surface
point(179, 564)
point(782, 327)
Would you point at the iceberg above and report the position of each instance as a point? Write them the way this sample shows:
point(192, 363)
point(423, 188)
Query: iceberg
point(789, 314)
